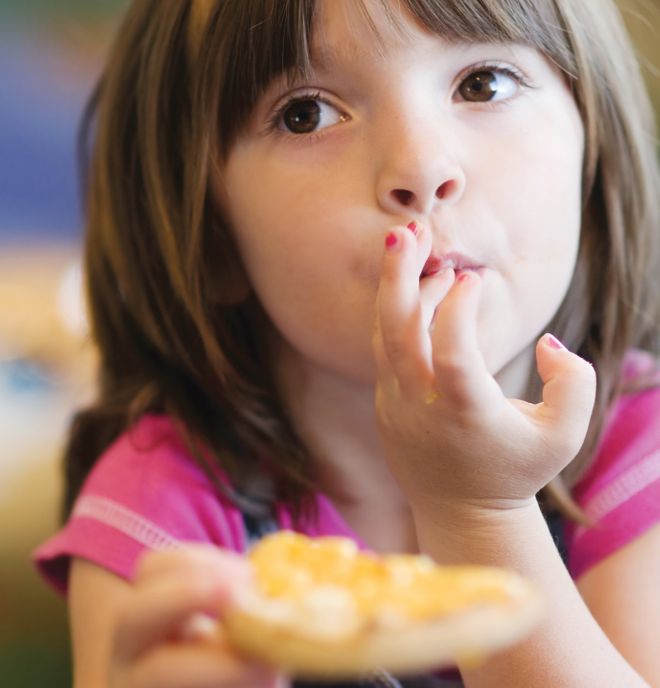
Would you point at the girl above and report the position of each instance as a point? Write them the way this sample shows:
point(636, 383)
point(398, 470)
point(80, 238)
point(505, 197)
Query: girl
point(325, 239)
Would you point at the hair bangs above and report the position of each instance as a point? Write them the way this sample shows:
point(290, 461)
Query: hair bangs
point(245, 47)
point(536, 23)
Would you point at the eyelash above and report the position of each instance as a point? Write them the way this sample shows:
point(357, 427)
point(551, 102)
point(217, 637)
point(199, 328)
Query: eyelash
point(508, 70)
point(501, 68)
point(274, 120)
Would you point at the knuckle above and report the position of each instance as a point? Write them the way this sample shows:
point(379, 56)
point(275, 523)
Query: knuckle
point(395, 347)
point(195, 585)
point(566, 444)
point(452, 371)
point(451, 363)
point(584, 371)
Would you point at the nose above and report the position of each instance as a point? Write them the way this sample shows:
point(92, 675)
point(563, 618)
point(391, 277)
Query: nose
point(418, 174)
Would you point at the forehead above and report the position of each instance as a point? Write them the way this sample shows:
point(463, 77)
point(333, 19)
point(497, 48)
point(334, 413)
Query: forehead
point(360, 27)
point(356, 30)
point(354, 33)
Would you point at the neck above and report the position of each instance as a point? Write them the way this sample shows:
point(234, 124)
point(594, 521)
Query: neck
point(335, 419)
point(513, 377)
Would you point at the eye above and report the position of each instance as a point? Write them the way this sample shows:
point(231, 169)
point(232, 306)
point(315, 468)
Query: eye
point(487, 85)
point(306, 114)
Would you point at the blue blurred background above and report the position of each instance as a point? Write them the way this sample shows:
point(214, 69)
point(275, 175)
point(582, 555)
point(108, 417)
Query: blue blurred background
point(50, 55)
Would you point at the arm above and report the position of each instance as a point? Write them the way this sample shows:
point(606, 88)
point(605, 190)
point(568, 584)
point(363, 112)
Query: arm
point(154, 633)
point(569, 649)
point(94, 597)
point(470, 462)
point(629, 620)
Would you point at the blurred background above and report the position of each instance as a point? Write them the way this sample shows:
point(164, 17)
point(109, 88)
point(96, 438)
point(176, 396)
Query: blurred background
point(50, 56)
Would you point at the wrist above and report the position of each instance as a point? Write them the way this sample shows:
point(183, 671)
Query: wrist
point(475, 514)
point(479, 533)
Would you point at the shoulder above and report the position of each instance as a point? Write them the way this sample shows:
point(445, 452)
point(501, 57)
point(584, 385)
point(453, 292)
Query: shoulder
point(150, 470)
point(631, 440)
point(145, 492)
point(620, 493)
point(148, 460)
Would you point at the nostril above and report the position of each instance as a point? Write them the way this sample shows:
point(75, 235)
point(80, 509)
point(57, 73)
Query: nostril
point(403, 196)
point(444, 190)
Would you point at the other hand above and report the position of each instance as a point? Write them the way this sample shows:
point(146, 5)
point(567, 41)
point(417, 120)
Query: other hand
point(168, 635)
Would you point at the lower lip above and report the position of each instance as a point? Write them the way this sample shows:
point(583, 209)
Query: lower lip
point(457, 271)
point(462, 271)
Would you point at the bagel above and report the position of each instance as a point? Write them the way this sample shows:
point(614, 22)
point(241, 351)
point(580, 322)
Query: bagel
point(320, 609)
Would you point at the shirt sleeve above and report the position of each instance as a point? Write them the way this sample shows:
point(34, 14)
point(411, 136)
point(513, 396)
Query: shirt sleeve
point(145, 492)
point(621, 492)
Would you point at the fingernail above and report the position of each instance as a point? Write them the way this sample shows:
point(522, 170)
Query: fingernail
point(199, 627)
point(391, 241)
point(463, 277)
point(553, 342)
point(412, 226)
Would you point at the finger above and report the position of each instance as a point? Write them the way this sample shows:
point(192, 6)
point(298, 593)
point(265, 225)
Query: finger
point(460, 369)
point(405, 342)
point(569, 390)
point(433, 290)
point(201, 666)
point(191, 558)
point(188, 560)
point(387, 382)
point(424, 245)
point(200, 627)
point(158, 611)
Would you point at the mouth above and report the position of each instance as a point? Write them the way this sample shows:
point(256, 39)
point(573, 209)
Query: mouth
point(452, 261)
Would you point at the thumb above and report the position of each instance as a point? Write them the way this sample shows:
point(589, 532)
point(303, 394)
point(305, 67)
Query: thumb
point(569, 390)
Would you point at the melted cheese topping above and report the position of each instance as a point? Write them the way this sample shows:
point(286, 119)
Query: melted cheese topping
point(330, 576)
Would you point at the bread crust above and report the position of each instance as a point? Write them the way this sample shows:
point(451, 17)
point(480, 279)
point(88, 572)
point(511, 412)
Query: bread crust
point(295, 639)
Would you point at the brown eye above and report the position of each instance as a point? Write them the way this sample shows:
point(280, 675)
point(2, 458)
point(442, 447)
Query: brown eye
point(307, 114)
point(302, 116)
point(487, 85)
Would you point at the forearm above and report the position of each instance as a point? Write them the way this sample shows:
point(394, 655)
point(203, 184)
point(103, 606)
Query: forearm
point(568, 649)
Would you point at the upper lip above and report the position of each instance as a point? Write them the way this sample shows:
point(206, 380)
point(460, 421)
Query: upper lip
point(452, 260)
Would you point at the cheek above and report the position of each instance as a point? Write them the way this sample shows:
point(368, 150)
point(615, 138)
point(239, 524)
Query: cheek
point(544, 213)
point(305, 230)
point(537, 203)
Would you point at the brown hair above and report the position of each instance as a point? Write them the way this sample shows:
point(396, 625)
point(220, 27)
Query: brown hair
point(177, 330)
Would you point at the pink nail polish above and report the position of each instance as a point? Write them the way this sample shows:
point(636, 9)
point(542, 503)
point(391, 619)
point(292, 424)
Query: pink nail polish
point(412, 226)
point(553, 342)
point(463, 277)
point(391, 241)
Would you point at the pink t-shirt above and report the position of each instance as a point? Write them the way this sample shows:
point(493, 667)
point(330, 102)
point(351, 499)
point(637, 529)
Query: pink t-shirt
point(620, 493)
point(145, 492)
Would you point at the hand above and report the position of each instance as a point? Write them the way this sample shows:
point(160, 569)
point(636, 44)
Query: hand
point(167, 635)
point(451, 437)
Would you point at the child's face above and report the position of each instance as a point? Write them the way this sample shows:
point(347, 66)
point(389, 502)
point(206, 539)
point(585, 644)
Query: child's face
point(490, 164)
